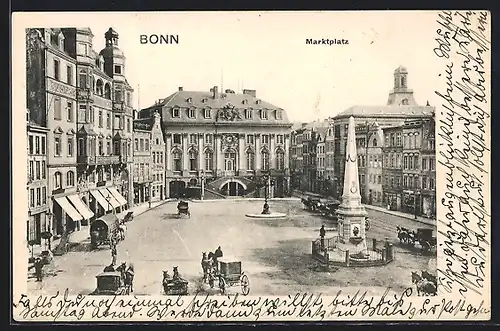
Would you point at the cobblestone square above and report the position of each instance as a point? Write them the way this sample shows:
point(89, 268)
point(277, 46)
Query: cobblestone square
point(275, 254)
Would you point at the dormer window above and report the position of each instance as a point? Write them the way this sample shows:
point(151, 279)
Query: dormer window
point(263, 114)
point(244, 102)
point(176, 112)
point(191, 113)
point(257, 102)
point(223, 95)
point(204, 100)
point(248, 114)
point(279, 115)
point(118, 69)
point(61, 41)
point(405, 102)
point(189, 99)
point(208, 113)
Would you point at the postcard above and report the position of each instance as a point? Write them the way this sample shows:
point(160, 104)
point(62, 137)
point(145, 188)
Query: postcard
point(251, 166)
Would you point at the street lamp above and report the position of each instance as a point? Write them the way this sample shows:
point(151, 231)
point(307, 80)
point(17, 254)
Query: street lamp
point(202, 178)
point(266, 178)
point(149, 197)
point(48, 235)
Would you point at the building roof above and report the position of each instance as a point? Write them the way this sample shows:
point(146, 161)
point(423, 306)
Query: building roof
point(225, 101)
point(386, 111)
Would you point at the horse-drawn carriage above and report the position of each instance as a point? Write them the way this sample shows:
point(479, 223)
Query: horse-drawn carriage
point(111, 283)
point(227, 272)
point(183, 208)
point(174, 285)
point(423, 236)
point(311, 204)
point(103, 229)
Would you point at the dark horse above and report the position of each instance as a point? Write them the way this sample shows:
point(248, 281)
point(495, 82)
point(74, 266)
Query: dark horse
point(424, 286)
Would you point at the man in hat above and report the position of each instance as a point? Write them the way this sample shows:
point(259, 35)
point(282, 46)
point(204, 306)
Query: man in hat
point(176, 275)
point(322, 233)
point(38, 269)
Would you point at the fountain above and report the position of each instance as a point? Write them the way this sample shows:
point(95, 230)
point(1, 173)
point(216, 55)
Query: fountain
point(266, 212)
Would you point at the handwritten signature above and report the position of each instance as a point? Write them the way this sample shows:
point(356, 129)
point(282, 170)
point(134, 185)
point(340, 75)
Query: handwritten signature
point(462, 44)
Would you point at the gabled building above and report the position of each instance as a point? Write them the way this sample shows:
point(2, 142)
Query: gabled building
point(149, 160)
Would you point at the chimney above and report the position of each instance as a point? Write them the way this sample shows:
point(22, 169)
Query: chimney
point(253, 93)
point(215, 92)
point(181, 88)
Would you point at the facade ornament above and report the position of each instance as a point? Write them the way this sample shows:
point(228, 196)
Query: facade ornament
point(228, 113)
point(230, 140)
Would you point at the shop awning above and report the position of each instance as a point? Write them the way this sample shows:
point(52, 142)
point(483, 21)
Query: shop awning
point(118, 196)
point(108, 196)
point(80, 206)
point(101, 200)
point(69, 209)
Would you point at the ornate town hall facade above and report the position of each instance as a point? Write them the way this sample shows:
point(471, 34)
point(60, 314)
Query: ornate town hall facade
point(223, 144)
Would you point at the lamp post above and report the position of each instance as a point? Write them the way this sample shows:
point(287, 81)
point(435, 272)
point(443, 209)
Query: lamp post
point(202, 178)
point(149, 197)
point(47, 229)
point(266, 179)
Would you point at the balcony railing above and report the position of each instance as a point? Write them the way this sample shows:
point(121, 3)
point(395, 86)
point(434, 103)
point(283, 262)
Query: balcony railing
point(98, 160)
point(107, 159)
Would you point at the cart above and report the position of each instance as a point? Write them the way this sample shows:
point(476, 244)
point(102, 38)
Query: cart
point(174, 286)
point(426, 239)
point(129, 217)
point(103, 229)
point(111, 283)
point(183, 209)
point(231, 274)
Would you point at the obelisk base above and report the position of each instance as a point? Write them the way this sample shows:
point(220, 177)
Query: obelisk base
point(352, 234)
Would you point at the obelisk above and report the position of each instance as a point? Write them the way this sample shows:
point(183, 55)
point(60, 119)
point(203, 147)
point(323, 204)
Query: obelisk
point(351, 213)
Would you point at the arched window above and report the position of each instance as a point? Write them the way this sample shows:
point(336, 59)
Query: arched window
point(193, 160)
point(208, 160)
point(230, 160)
point(177, 160)
point(57, 180)
point(107, 91)
point(265, 160)
point(70, 179)
point(99, 88)
point(280, 160)
point(250, 160)
point(374, 143)
point(403, 81)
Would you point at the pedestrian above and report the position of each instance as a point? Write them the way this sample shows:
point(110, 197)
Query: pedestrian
point(322, 233)
point(114, 253)
point(38, 269)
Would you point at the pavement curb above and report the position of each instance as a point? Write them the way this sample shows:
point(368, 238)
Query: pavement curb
point(246, 199)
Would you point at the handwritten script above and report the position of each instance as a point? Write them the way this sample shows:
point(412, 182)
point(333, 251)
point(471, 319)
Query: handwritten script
point(462, 43)
point(305, 306)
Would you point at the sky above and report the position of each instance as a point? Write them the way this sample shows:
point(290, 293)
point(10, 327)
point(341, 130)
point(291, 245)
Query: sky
point(267, 52)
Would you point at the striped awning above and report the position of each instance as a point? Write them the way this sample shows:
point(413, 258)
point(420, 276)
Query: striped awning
point(118, 196)
point(69, 209)
point(81, 206)
point(108, 196)
point(101, 200)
